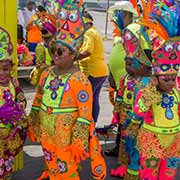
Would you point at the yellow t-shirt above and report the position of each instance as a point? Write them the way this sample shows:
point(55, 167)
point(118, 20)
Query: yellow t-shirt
point(95, 64)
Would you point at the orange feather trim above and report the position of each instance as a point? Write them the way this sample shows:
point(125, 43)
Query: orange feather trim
point(156, 26)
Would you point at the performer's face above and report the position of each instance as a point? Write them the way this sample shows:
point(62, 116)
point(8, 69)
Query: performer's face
point(5, 71)
point(62, 55)
point(166, 82)
point(130, 66)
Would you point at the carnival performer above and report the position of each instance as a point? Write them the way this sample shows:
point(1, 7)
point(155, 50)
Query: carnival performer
point(138, 67)
point(158, 103)
point(34, 35)
point(116, 58)
point(47, 25)
point(61, 116)
point(13, 123)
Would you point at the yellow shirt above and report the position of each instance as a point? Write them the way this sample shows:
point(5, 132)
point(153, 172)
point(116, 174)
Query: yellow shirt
point(93, 65)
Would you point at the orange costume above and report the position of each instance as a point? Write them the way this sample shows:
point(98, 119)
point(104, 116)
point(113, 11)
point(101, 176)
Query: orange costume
point(61, 116)
point(63, 105)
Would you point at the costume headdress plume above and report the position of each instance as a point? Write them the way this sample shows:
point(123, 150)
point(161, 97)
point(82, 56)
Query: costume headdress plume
point(6, 47)
point(130, 34)
point(163, 33)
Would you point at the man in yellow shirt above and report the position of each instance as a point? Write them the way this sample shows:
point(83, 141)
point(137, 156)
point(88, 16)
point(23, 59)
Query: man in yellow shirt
point(92, 62)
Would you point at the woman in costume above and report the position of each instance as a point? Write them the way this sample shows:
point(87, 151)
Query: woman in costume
point(61, 116)
point(12, 105)
point(159, 102)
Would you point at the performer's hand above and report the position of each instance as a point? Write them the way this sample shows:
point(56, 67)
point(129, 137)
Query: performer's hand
point(154, 81)
point(78, 153)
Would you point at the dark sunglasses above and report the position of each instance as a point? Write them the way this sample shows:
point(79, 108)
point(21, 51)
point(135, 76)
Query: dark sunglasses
point(59, 51)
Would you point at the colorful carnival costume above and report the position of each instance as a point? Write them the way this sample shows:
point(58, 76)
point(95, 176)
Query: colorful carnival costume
point(129, 86)
point(25, 58)
point(61, 116)
point(116, 58)
point(12, 121)
point(47, 25)
point(159, 136)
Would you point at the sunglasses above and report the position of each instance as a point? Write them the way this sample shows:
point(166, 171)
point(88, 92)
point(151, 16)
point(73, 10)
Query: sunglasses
point(166, 67)
point(59, 51)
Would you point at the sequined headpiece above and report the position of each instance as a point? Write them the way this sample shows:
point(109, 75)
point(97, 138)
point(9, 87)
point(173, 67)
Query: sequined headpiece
point(70, 24)
point(134, 44)
point(6, 47)
point(162, 34)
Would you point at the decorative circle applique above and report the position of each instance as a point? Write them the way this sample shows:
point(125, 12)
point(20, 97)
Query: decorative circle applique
point(130, 85)
point(152, 162)
point(54, 85)
point(129, 95)
point(47, 155)
point(168, 103)
point(98, 169)
point(63, 36)
point(62, 166)
point(83, 96)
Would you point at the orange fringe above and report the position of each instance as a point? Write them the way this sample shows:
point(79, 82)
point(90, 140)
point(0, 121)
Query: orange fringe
point(80, 3)
point(156, 26)
point(135, 5)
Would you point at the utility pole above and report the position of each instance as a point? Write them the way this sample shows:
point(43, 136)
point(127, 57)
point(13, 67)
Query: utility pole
point(107, 16)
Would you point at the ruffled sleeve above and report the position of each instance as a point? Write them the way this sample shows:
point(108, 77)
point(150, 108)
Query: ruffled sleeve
point(83, 94)
point(146, 98)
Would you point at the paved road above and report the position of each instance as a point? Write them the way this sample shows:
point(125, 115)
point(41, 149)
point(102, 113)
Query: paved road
point(34, 165)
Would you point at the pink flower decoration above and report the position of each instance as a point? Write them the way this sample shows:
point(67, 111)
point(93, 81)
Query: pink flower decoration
point(119, 172)
point(61, 2)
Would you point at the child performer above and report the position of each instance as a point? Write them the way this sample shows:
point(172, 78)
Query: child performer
point(116, 58)
point(138, 67)
point(63, 104)
point(159, 102)
point(12, 105)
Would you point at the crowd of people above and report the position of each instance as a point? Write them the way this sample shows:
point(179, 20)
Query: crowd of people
point(68, 51)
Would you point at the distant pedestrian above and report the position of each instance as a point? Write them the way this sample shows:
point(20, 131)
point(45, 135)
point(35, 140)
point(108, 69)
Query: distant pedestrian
point(92, 61)
point(28, 12)
point(34, 35)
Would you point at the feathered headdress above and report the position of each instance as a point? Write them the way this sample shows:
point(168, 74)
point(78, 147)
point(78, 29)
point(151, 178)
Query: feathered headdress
point(6, 47)
point(162, 31)
point(130, 34)
point(116, 14)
